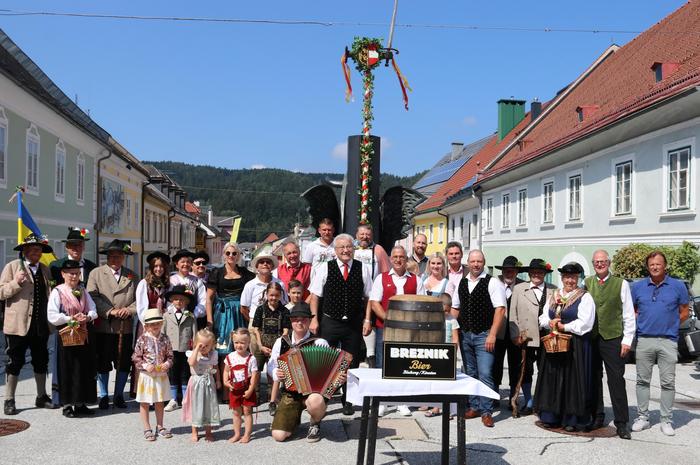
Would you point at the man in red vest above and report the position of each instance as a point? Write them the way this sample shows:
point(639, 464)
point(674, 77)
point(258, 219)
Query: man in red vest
point(396, 281)
point(293, 268)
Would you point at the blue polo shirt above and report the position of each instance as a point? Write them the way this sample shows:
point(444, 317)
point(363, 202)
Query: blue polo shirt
point(657, 307)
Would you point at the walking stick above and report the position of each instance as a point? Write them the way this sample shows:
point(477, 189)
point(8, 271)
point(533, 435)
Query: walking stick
point(523, 349)
point(119, 345)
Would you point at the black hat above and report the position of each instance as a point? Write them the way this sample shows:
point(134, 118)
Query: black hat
point(300, 310)
point(118, 245)
point(538, 264)
point(201, 254)
point(510, 262)
point(162, 255)
point(179, 290)
point(70, 265)
point(571, 268)
point(182, 253)
point(33, 239)
point(76, 234)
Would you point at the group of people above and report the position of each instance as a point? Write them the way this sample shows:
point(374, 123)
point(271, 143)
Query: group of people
point(192, 338)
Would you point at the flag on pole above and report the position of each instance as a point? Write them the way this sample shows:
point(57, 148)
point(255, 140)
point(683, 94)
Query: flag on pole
point(27, 226)
point(236, 227)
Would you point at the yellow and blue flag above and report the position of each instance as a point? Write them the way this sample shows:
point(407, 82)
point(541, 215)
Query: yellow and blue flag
point(27, 226)
point(236, 226)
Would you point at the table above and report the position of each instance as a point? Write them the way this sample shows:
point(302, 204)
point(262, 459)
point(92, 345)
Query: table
point(365, 386)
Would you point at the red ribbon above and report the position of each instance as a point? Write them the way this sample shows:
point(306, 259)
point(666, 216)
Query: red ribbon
point(346, 72)
point(402, 82)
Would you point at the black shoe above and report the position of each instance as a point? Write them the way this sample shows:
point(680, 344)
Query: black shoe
point(623, 432)
point(372, 362)
point(348, 409)
point(273, 409)
point(119, 402)
point(68, 412)
point(10, 408)
point(104, 403)
point(44, 402)
point(84, 410)
point(597, 424)
point(525, 411)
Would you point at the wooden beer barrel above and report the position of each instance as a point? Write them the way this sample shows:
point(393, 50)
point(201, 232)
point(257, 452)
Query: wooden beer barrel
point(414, 318)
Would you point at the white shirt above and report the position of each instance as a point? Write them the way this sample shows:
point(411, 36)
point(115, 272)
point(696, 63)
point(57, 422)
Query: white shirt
point(319, 280)
point(57, 318)
point(191, 281)
point(377, 293)
point(496, 290)
point(142, 299)
point(318, 253)
point(252, 294)
point(277, 346)
point(586, 315)
point(629, 321)
point(234, 359)
point(537, 290)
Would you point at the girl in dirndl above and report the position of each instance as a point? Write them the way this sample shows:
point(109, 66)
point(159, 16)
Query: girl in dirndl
point(69, 304)
point(200, 406)
point(153, 356)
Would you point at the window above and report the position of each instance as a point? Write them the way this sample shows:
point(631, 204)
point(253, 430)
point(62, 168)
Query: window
point(522, 207)
point(489, 214)
point(548, 202)
point(452, 231)
point(505, 211)
point(461, 226)
point(60, 173)
point(679, 179)
point(33, 159)
point(575, 197)
point(3, 148)
point(623, 188)
point(147, 225)
point(136, 212)
point(81, 180)
point(430, 235)
point(128, 211)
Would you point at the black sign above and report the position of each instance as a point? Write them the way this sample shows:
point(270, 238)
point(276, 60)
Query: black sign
point(408, 360)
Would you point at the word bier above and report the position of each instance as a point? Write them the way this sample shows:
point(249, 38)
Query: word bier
point(406, 360)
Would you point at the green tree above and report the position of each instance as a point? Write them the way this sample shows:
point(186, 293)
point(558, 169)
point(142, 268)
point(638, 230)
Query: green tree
point(683, 261)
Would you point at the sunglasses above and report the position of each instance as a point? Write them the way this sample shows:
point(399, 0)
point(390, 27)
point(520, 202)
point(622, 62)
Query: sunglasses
point(199, 263)
point(264, 262)
point(231, 254)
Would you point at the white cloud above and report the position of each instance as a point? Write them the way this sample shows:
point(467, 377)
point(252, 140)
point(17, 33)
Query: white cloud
point(340, 151)
point(386, 143)
point(258, 167)
point(470, 120)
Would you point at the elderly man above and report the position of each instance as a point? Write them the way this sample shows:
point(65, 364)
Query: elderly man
point(509, 278)
point(293, 268)
point(611, 341)
point(420, 243)
point(344, 285)
point(321, 250)
point(24, 285)
point(479, 304)
point(373, 256)
point(455, 270)
point(113, 288)
point(397, 281)
point(661, 303)
point(526, 305)
point(75, 246)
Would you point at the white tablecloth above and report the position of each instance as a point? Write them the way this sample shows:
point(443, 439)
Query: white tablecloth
point(368, 382)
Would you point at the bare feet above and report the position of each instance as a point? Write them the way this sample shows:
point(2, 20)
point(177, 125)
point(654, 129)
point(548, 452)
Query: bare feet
point(245, 439)
point(209, 437)
point(236, 437)
point(195, 437)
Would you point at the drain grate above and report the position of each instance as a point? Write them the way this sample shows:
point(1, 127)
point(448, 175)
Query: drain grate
point(606, 432)
point(8, 427)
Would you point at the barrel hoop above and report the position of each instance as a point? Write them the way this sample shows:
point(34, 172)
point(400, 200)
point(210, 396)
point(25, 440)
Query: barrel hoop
point(415, 306)
point(427, 326)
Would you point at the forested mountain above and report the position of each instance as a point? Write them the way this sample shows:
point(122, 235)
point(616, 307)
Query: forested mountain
point(267, 199)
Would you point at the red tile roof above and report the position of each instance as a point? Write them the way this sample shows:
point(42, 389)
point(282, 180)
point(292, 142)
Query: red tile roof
point(624, 83)
point(192, 208)
point(272, 237)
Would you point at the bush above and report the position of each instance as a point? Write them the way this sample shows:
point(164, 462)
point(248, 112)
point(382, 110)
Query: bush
point(683, 261)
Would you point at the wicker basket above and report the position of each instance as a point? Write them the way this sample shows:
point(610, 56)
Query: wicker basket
point(556, 342)
point(73, 336)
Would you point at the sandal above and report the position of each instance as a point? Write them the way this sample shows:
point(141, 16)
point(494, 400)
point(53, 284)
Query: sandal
point(148, 435)
point(433, 413)
point(164, 432)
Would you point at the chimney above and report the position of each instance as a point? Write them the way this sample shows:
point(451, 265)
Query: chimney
point(210, 216)
point(535, 109)
point(510, 113)
point(456, 150)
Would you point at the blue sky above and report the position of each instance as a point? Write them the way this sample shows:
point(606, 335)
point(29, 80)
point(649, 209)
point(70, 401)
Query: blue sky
point(245, 95)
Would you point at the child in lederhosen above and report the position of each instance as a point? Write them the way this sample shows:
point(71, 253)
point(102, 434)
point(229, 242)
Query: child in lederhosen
point(180, 325)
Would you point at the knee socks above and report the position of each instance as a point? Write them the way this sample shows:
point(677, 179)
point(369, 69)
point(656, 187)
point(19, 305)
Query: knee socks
point(40, 379)
point(10, 386)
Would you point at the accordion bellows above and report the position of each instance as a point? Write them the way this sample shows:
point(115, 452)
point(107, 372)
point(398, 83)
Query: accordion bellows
point(314, 369)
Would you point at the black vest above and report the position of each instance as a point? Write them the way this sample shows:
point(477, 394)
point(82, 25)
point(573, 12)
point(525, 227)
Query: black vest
point(39, 322)
point(286, 343)
point(343, 298)
point(475, 308)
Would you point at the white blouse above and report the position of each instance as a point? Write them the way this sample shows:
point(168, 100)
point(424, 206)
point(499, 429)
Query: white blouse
point(586, 315)
point(57, 318)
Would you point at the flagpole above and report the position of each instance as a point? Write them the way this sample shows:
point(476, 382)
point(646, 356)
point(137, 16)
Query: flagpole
point(19, 215)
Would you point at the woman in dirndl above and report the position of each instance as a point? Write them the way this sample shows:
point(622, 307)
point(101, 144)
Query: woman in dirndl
point(70, 306)
point(224, 288)
point(563, 391)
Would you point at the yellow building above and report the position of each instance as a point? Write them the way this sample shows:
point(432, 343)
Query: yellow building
point(433, 225)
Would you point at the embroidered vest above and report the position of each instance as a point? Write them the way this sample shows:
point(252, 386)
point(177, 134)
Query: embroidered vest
point(476, 310)
point(342, 300)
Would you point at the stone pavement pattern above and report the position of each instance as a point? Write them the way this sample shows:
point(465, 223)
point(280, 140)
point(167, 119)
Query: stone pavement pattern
point(116, 438)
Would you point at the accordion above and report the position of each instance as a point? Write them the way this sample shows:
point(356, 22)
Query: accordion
point(314, 369)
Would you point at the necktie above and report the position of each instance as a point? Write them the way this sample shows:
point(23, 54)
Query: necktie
point(345, 271)
point(601, 281)
point(543, 299)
